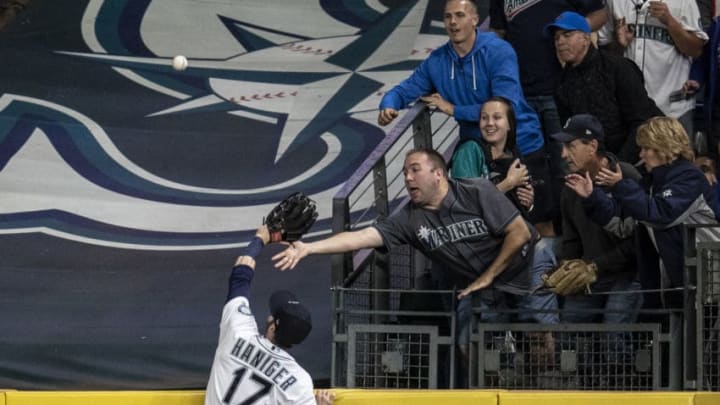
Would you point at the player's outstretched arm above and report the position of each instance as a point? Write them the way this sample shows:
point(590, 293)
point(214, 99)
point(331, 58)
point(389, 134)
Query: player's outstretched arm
point(244, 259)
point(343, 242)
point(244, 269)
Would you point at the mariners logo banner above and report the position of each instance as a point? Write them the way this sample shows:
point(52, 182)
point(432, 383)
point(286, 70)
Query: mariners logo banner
point(128, 186)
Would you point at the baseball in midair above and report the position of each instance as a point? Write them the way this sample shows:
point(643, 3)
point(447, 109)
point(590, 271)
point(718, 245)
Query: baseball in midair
point(179, 63)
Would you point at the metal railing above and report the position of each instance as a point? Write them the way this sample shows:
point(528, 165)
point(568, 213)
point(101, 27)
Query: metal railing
point(410, 347)
point(702, 316)
point(625, 357)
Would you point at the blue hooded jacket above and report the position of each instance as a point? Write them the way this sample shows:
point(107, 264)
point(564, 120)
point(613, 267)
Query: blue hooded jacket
point(490, 69)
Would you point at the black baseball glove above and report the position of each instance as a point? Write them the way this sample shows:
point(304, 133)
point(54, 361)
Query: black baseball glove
point(291, 218)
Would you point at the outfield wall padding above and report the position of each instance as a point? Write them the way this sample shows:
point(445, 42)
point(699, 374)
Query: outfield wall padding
point(372, 397)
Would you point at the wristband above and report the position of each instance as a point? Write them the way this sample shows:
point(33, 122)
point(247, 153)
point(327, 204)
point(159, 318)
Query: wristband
point(253, 248)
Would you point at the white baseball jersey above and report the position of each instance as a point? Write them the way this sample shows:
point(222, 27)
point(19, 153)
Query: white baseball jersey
point(248, 369)
point(653, 50)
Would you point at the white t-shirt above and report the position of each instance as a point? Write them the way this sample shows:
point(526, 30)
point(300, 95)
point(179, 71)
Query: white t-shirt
point(665, 69)
point(249, 369)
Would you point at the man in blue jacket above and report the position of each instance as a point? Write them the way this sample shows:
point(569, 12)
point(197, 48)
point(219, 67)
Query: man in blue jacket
point(460, 76)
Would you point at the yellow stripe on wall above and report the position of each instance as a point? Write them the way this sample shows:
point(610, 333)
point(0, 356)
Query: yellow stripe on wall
point(105, 397)
point(414, 397)
point(596, 398)
point(707, 398)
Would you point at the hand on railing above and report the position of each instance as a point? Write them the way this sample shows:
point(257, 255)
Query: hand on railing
point(435, 100)
point(481, 282)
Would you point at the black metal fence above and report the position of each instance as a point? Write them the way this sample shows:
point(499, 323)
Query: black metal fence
point(702, 260)
point(409, 344)
point(567, 356)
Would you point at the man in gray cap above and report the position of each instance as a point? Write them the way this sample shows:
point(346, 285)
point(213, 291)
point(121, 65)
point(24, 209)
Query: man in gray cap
point(609, 246)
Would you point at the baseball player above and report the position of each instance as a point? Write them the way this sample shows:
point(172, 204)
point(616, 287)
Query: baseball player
point(251, 368)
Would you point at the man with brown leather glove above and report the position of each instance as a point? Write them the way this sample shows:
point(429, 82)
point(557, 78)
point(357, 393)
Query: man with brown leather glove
point(593, 258)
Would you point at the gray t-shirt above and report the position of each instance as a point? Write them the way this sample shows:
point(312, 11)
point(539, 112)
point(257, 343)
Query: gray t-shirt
point(465, 234)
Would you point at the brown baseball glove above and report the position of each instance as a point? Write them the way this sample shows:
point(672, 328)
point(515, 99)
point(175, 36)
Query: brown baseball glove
point(571, 277)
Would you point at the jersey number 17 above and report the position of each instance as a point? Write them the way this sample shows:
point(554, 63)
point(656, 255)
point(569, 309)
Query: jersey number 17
point(265, 387)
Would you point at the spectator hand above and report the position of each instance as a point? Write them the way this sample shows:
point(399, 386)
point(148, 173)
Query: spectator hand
point(609, 178)
point(483, 281)
point(623, 34)
point(386, 116)
point(707, 166)
point(526, 196)
point(581, 185)
point(435, 100)
point(690, 87)
point(290, 257)
point(660, 10)
point(711, 178)
point(517, 175)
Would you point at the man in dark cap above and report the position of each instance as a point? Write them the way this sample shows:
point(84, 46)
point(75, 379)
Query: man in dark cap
point(610, 247)
point(248, 366)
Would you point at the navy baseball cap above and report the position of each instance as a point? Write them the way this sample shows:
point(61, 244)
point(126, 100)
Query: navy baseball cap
point(580, 126)
point(568, 21)
point(292, 319)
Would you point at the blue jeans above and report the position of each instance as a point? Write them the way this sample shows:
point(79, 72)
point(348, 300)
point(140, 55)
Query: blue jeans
point(539, 307)
point(612, 308)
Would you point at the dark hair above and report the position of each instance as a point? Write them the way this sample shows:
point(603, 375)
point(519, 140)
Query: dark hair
point(511, 142)
point(434, 157)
